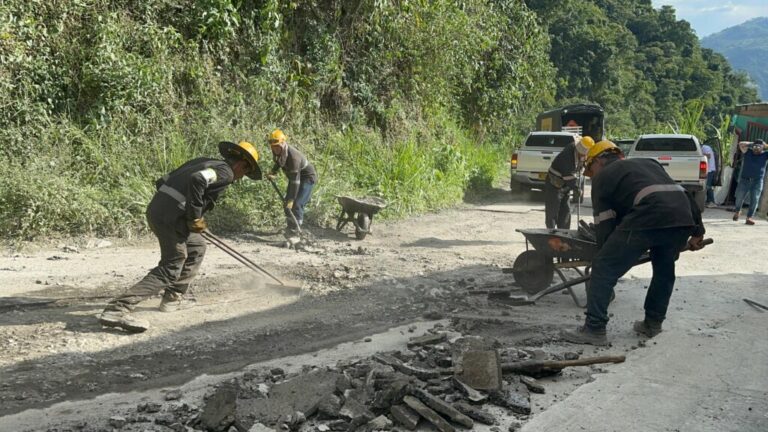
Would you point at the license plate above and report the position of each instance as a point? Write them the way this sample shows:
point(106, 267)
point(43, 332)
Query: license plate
point(542, 176)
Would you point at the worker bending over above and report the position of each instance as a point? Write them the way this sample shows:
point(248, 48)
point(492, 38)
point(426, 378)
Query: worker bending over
point(638, 208)
point(176, 216)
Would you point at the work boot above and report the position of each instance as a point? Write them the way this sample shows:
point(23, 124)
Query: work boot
point(585, 335)
point(176, 302)
point(123, 320)
point(647, 327)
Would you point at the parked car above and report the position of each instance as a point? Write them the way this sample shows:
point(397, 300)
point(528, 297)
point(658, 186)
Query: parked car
point(624, 144)
point(681, 157)
point(531, 161)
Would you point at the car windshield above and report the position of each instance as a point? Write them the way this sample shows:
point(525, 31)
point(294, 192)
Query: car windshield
point(548, 140)
point(666, 145)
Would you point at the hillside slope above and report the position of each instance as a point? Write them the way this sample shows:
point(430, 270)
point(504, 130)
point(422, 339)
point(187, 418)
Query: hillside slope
point(746, 48)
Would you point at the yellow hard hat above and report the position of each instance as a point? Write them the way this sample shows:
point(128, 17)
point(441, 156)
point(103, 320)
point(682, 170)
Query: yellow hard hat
point(245, 151)
point(277, 137)
point(599, 148)
point(584, 144)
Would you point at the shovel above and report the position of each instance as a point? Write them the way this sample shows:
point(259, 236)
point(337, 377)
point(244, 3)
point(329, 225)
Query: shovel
point(282, 201)
point(216, 241)
point(529, 300)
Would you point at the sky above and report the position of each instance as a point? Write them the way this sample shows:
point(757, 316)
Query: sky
point(711, 16)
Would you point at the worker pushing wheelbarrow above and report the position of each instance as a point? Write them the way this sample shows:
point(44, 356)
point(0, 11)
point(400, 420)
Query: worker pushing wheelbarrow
point(549, 252)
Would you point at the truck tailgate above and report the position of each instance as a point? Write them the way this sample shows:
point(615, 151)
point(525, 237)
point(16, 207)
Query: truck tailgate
point(681, 167)
point(532, 159)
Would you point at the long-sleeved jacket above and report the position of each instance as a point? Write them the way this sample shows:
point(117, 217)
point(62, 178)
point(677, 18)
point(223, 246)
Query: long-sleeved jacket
point(565, 166)
point(296, 168)
point(186, 193)
point(637, 194)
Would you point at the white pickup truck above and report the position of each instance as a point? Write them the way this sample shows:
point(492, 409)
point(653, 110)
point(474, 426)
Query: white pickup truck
point(531, 161)
point(681, 157)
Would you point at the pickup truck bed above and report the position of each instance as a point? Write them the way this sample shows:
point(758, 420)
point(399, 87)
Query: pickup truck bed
point(531, 162)
point(681, 157)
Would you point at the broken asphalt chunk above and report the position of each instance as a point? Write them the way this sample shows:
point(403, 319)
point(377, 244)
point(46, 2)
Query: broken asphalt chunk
point(475, 413)
point(427, 339)
point(428, 414)
point(405, 416)
point(443, 408)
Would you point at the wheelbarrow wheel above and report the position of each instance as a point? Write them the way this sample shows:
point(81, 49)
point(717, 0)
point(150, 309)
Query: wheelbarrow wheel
point(363, 225)
point(533, 271)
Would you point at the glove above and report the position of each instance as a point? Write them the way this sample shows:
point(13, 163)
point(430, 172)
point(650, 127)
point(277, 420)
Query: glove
point(289, 204)
point(695, 243)
point(197, 225)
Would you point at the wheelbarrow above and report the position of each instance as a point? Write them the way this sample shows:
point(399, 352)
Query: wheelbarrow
point(360, 212)
point(553, 251)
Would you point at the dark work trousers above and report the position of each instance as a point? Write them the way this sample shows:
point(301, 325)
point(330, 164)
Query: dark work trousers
point(302, 198)
point(557, 208)
point(620, 252)
point(180, 259)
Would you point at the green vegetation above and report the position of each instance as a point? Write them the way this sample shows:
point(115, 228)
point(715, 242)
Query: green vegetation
point(641, 64)
point(413, 101)
point(746, 48)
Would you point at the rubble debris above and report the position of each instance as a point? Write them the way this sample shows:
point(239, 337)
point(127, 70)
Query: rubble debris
point(219, 410)
point(405, 416)
point(475, 413)
point(302, 394)
point(424, 374)
point(356, 413)
point(481, 370)
point(117, 422)
point(173, 395)
point(533, 385)
point(379, 423)
point(149, 407)
point(443, 408)
point(427, 339)
point(473, 395)
point(514, 397)
point(329, 407)
point(258, 427)
point(428, 414)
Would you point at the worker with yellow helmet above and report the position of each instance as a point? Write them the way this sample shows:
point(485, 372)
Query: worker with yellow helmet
point(300, 173)
point(176, 216)
point(638, 209)
point(562, 178)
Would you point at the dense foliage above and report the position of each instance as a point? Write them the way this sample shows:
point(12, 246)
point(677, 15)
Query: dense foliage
point(641, 64)
point(414, 101)
point(409, 100)
point(746, 48)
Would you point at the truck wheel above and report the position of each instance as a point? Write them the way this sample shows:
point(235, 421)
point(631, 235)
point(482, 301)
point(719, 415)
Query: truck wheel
point(515, 187)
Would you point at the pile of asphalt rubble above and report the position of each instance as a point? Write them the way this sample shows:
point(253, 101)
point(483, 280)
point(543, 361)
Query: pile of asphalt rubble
point(442, 378)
